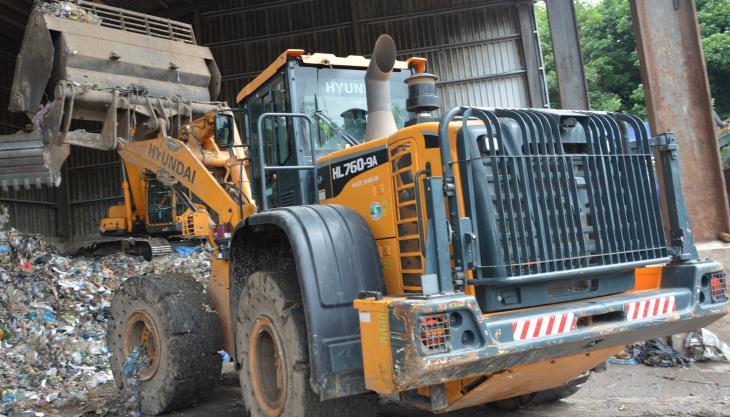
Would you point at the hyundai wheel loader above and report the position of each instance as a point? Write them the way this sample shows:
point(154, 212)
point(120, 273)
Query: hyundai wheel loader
point(483, 255)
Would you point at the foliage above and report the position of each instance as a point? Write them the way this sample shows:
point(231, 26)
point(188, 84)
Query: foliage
point(714, 18)
point(611, 62)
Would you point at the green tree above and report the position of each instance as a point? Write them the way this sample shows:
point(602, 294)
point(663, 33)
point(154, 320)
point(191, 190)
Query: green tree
point(611, 61)
point(714, 18)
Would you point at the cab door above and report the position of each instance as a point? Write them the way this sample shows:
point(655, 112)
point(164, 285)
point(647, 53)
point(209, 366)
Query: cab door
point(284, 187)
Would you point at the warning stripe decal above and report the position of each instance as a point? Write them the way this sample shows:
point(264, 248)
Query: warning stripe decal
point(651, 307)
point(543, 326)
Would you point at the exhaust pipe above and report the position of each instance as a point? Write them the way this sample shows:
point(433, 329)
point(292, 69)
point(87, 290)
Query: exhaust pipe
point(377, 88)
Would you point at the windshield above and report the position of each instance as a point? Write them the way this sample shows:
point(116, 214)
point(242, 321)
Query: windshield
point(339, 94)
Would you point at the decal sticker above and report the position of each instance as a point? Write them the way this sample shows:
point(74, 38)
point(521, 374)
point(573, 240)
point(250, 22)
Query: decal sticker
point(172, 166)
point(341, 172)
point(358, 184)
point(172, 145)
point(364, 317)
point(354, 166)
point(544, 326)
point(376, 211)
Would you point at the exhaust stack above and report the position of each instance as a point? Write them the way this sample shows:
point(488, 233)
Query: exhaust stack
point(377, 78)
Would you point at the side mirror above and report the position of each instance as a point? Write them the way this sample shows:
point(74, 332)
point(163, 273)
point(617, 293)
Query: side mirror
point(224, 129)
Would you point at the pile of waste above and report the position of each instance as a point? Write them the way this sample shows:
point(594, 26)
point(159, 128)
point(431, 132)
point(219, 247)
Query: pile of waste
point(53, 317)
point(68, 10)
point(701, 345)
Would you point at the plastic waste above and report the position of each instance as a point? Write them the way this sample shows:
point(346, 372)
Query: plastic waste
point(187, 250)
point(704, 345)
point(53, 316)
point(655, 353)
point(133, 365)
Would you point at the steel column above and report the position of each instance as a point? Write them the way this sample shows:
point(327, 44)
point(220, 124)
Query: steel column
point(568, 58)
point(532, 63)
point(678, 100)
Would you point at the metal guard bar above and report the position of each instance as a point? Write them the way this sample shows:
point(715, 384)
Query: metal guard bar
point(541, 227)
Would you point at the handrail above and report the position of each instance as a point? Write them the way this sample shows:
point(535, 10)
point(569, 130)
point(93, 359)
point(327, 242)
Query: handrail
point(262, 168)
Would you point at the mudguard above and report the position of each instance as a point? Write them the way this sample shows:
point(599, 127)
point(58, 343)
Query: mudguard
point(335, 257)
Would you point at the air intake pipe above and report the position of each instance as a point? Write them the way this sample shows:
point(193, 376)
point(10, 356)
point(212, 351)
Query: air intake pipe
point(377, 87)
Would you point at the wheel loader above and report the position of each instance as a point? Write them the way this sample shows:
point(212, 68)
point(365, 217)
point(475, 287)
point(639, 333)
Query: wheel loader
point(484, 255)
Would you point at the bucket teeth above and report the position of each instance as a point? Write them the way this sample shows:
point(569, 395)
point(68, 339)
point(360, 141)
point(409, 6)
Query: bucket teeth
point(22, 164)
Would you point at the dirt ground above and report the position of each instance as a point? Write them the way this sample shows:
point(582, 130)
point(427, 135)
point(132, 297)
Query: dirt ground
point(702, 390)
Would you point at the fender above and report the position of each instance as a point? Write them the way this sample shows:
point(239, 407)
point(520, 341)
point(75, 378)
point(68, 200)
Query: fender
point(335, 256)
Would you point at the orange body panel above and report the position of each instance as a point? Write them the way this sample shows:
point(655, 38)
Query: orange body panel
point(525, 379)
point(648, 278)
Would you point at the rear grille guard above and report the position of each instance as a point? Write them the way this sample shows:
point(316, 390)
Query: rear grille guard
point(558, 210)
point(552, 205)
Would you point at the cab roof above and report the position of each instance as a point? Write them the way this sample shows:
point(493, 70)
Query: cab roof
point(418, 64)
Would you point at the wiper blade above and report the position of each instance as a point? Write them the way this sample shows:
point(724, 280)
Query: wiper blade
point(348, 138)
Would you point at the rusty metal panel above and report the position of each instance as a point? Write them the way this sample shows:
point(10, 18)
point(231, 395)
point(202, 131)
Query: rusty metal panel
point(568, 57)
point(678, 100)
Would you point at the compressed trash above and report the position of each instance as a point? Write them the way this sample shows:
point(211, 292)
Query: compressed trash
point(53, 317)
point(68, 10)
point(659, 354)
point(653, 353)
point(133, 365)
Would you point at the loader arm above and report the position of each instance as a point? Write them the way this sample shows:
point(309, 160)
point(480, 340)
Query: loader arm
point(172, 159)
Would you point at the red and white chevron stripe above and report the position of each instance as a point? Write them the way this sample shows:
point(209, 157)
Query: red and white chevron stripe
point(543, 326)
point(651, 307)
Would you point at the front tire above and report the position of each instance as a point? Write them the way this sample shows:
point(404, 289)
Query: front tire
point(170, 316)
point(271, 337)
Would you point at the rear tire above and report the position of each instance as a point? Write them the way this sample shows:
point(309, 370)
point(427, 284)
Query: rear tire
point(271, 337)
point(171, 316)
point(543, 397)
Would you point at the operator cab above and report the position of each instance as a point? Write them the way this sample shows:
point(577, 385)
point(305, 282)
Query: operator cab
point(330, 91)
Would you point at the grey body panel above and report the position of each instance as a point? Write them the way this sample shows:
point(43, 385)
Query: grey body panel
point(496, 348)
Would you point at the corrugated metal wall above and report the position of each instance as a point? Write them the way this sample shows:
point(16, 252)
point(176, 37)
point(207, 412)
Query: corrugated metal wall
point(481, 50)
point(484, 52)
point(93, 179)
point(33, 210)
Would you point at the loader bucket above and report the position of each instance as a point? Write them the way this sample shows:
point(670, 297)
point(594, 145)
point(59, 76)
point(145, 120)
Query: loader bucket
point(85, 61)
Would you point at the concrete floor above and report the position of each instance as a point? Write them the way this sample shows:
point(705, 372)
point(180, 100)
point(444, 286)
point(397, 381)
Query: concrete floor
point(630, 390)
point(702, 390)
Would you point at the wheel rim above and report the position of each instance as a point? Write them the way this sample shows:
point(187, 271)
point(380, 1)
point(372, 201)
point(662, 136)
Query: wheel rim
point(142, 331)
point(268, 375)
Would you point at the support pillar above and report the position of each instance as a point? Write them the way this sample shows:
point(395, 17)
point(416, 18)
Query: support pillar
point(568, 57)
point(678, 100)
